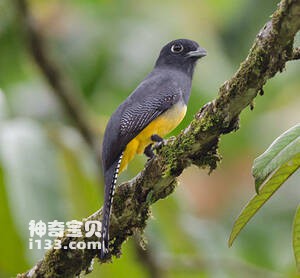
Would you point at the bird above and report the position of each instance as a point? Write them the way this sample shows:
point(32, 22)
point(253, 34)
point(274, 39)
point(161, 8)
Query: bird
point(149, 113)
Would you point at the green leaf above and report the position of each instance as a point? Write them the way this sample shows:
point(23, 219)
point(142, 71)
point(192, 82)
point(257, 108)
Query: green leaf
point(296, 237)
point(269, 187)
point(280, 151)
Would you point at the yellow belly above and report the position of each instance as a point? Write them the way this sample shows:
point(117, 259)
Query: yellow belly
point(161, 126)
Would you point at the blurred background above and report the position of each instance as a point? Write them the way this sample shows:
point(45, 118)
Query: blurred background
point(104, 49)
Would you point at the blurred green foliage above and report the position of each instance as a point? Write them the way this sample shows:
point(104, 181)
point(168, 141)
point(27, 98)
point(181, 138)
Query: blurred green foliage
point(47, 171)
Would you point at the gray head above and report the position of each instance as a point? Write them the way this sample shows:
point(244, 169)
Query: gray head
point(181, 54)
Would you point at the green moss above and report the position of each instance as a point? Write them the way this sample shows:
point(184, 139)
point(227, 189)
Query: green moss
point(150, 197)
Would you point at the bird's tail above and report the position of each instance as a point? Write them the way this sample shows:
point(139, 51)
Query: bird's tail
point(110, 177)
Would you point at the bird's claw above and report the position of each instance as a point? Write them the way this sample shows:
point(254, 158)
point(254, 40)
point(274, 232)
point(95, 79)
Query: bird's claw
point(158, 145)
point(149, 151)
point(159, 142)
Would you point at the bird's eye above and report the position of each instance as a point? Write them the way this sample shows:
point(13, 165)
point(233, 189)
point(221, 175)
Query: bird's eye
point(176, 48)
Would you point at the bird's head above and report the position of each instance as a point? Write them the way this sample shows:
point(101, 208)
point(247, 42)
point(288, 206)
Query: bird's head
point(181, 54)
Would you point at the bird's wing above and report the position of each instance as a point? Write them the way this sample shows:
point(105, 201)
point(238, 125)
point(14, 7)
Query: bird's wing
point(136, 117)
point(130, 119)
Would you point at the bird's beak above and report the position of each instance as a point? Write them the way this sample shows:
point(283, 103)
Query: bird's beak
point(199, 53)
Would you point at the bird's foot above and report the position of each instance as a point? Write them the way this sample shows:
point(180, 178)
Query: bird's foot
point(156, 138)
point(149, 151)
point(159, 142)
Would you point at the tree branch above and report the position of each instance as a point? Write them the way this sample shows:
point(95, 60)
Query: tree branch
point(61, 86)
point(296, 54)
point(197, 144)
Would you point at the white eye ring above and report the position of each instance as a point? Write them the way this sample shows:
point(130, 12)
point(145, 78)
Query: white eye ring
point(177, 48)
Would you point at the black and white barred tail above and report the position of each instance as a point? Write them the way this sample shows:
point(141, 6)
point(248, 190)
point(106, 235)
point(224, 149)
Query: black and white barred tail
point(110, 177)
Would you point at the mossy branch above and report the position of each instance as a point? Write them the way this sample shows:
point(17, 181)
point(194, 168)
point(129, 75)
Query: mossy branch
point(197, 144)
